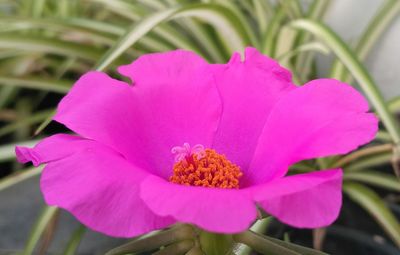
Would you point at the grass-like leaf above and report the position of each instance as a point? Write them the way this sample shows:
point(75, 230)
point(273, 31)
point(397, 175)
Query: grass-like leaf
point(269, 38)
point(370, 161)
point(7, 151)
point(219, 16)
point(33, 119)
point(50, 85)
point(375, 178)
point(374, 205)
point(269, 245)
point(350, 60)
point(75, 240)
point(48, 45)
point(19, 177)
point(394, 105)
point(45, 217)
point(381, 21)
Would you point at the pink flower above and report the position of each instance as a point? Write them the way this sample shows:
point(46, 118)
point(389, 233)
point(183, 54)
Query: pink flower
point(247, 124)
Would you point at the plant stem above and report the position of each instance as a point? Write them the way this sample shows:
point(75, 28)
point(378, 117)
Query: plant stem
point(163, 238)
point(176, 248)
point(215, 244)
point(261, 244)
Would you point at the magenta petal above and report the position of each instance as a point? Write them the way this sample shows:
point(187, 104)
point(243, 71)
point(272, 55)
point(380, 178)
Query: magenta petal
point(215, 210)
point(174, 100)
point(41, 153)
point(166, 69)
point(96, 184)
point(322, 118)
point(248, 91)
point(309, 200)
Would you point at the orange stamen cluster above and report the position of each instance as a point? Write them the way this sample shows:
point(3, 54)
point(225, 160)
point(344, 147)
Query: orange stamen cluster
point(212, 170)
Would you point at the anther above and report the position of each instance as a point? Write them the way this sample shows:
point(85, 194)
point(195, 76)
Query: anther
point(197, 166)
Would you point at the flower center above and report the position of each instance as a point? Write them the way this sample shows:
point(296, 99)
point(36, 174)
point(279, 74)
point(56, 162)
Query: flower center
point(196, 166)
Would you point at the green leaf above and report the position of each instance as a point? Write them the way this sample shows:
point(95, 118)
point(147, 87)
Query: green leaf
point(369, 162)
point(132, 36)
point(44, 124)
point(383, 136)
point(263, 10)
point(394, 105)
point(45, 217)
point(32, 119)
point(304, 61)
point(262, 245)
point(177, 248)
point(75, 240)
point(37, 7)
point(286, 41)
point(363, 153)
point(205, 38)
point(292, 8)
point(350, 60)
point(381, 21)
point(48, 45)
point(223, 19)
point(374, 205)
point(302, 167)
point(242, 20)
point(155, 240)
point(49, 85)
point(298, 248)
point(317, 9)
point(121, 7)
point(19, 177)
point(271, 246)
point(7, 94)
point(378, 25)
point(260, 226)
point(89, 30)
point(7, 152)
point(11, 53)
point(311, 46)
point(135, 11)
point(215, 243)
point(378, 179)
point(64, 27)
point(269, 39)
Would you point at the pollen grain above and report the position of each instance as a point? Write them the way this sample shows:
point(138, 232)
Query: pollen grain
point(213, 170)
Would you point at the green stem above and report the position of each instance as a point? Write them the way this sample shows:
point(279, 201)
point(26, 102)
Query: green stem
point(262, 245)
point(163, 238)
point(176, 248)
point(260, 226)
point(195, 251)
point(215, 244)
point(271, 246)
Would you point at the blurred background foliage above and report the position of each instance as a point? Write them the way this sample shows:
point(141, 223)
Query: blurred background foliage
point(47, 44)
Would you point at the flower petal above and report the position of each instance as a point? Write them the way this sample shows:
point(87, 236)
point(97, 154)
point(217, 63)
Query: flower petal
point(174, 101)
point(42, 154)
point(212, 209)
point(322, 118)
point(248, 91)
point(96, 184)
point(309, 200)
